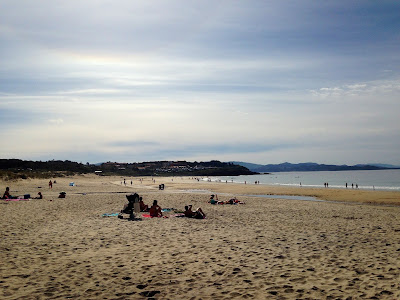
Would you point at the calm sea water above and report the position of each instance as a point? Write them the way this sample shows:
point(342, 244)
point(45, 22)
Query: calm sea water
point(369, 180)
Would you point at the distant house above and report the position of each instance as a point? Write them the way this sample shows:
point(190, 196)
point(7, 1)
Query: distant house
point(178, 164)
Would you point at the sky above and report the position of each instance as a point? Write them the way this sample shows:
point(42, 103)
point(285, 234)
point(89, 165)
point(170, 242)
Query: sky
point(255, 81)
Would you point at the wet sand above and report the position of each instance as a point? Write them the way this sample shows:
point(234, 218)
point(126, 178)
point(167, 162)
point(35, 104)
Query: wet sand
point(265, 249)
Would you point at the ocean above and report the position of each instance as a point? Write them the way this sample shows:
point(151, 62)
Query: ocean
point(367, 180)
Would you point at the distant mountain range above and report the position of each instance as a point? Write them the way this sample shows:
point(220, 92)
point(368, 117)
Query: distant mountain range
point(309, 166)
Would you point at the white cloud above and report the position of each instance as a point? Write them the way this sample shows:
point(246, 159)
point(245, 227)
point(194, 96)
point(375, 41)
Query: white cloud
point(357, 87)
point(58, 121)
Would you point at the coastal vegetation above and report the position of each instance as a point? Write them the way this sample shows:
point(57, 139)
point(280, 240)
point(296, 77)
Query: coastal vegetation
point(11, 169)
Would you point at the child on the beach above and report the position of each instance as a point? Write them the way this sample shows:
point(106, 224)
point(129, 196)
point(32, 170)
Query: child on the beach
point(6, 194)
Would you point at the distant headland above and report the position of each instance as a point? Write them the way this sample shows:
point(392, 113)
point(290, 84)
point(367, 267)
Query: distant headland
point(309, 166)
point(22, 169)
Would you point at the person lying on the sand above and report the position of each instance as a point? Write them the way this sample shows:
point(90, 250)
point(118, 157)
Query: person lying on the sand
point(231, 201)
point(234, 201)
point(198, 214)
point(143, 207)
point(155, 210)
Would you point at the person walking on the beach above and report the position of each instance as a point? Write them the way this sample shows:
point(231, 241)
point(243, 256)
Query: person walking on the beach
point(50, 185)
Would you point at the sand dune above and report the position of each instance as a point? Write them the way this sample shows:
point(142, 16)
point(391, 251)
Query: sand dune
point(265, 249)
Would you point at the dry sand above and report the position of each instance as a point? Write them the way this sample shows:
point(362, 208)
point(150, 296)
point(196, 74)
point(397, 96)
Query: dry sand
point(265, 249)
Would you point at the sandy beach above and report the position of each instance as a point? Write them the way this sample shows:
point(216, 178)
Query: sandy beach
point(345, 247)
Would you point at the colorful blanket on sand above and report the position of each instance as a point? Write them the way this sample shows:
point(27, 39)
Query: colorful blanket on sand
point(167, 209)
point(146, 216)
point(17, 199)
point(110, 215)
point(169, 216)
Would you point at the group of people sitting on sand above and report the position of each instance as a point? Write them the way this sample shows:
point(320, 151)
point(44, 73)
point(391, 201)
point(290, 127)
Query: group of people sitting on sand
point(214, 200)
point(7, 195)
point(155, 210)
point(129, 208)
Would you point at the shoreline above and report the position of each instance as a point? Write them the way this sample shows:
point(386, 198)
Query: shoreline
point(329, 194)
point(192, 184)
point(383, 180)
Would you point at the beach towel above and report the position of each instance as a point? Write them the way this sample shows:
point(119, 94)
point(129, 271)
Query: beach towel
point(170, 216)
point(110, 215)
point(17, 199)
point(178, 215)
point(148, 216)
